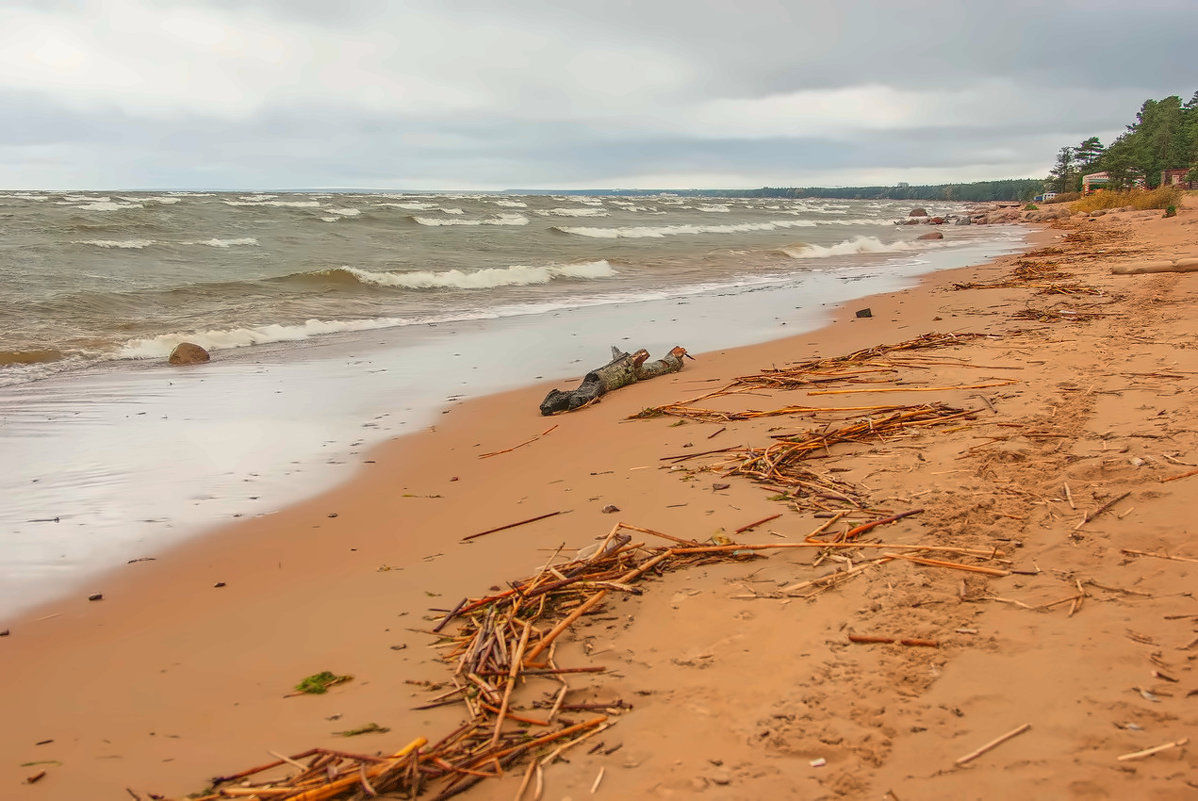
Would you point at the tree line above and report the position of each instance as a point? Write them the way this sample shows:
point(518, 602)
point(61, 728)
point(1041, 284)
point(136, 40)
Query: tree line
point(1163, 137)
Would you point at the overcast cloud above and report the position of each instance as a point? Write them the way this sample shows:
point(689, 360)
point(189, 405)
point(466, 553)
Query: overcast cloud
point(467, 94)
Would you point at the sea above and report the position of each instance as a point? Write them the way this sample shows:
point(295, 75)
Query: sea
point(338, 320)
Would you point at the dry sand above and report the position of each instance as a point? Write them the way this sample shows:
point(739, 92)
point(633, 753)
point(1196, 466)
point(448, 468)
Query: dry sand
point(171, 679)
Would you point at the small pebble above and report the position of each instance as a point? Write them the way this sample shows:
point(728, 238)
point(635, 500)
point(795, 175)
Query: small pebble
point(218, 584)
point(609, 509)
point(818, 763)
point(99, 596)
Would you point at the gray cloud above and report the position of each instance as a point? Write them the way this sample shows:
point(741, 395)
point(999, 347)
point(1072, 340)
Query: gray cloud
point(471, 94)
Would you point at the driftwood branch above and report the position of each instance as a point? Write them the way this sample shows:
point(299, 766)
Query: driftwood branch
point(622, 370)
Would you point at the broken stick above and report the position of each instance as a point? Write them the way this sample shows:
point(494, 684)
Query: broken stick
point(997, 741)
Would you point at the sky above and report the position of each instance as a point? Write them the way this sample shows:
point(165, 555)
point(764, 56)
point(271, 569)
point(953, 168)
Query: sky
point(499, 94)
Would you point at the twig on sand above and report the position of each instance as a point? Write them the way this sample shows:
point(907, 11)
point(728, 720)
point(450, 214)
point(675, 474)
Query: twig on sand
point(1186, 474)
point(997, 741)
point(1147, 752)
point(1088, 516)
point(521, 445)
point(510, 525)
point(1133, 552)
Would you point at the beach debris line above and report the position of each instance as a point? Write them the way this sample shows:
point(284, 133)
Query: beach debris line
point(503, 643)
point(623, 369)
point(865, 366)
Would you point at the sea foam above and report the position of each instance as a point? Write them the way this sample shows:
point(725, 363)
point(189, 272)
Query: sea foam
point(655, 231)
point(587, 212)
point(491, 277)
point(122, 244)
point(502, 219)
point(850, 247)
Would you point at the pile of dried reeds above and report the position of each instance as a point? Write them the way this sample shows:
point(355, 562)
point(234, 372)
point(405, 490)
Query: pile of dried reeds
point(503, 640)
point(866, 366)
point(782, 464)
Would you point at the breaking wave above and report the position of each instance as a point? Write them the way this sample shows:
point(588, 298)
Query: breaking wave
point(850, 247)
point(587, 212)
point(221, 339)
point(122, 244)
point(502, 219)
point(655, 231)
point(289, 204)
point(516, 275)
point(226, 243)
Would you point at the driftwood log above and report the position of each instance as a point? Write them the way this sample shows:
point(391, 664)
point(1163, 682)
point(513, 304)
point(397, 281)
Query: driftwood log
point(1182, 265)
point(623, 369)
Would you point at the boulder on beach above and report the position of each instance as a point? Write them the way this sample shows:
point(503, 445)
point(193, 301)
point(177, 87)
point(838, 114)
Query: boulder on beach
point(931, 235)
point(918, 213)
point(188, 353)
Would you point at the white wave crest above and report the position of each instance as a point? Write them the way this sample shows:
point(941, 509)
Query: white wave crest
point(717, 208)
point(516, 275)
point(453, 211)
point(290, 204)
point(502, 219)
point(122, 244)
point(849, 247)
point(413, 206)
point(656, 231)
point(108, 205)
point(512, 204)
point(161, 346)
point(588, 212)
point(226, 243)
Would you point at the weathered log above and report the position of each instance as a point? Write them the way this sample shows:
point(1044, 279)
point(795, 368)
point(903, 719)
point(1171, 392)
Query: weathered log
point(623, 369)
point(1182, 265)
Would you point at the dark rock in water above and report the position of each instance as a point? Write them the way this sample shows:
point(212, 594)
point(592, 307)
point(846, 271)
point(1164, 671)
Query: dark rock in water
point(188, 353)
point(931, 235)
point(935, 221)
point(964, 221)
point(866, 312)
point(918, 213)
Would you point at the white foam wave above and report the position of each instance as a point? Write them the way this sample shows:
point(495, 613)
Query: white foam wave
point(849, 247)
point(290, 204)
point(122, 244)
point(502, 219)
point(657, 231)
point(226, 243)
point(413, 206)
point(588, 212)
point(346, 212)
point(108, 205)
point(453, 211)
point(512, 204)
point(516, 275)
point(717, 208)
point(161, 346)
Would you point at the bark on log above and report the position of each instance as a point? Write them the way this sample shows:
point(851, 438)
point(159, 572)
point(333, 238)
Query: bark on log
point(623, 369)
point(1184, 265)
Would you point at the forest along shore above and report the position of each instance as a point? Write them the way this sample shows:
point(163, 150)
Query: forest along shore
point(1023, 620)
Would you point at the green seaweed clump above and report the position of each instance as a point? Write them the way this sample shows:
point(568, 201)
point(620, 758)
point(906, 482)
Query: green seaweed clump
point(319, 683)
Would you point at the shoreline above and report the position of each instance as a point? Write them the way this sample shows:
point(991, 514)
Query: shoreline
point(336, 581)
point(159, 454)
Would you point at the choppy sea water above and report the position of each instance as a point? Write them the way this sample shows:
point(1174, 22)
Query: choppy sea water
point(337, 321)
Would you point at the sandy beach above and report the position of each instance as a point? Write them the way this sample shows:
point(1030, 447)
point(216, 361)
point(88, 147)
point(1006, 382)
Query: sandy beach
point(733, 686)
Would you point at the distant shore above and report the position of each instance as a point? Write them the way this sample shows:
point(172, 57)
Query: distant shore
point(1084, 391)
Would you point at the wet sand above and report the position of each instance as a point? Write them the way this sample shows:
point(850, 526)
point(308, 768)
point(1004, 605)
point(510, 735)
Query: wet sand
point(171, 679)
